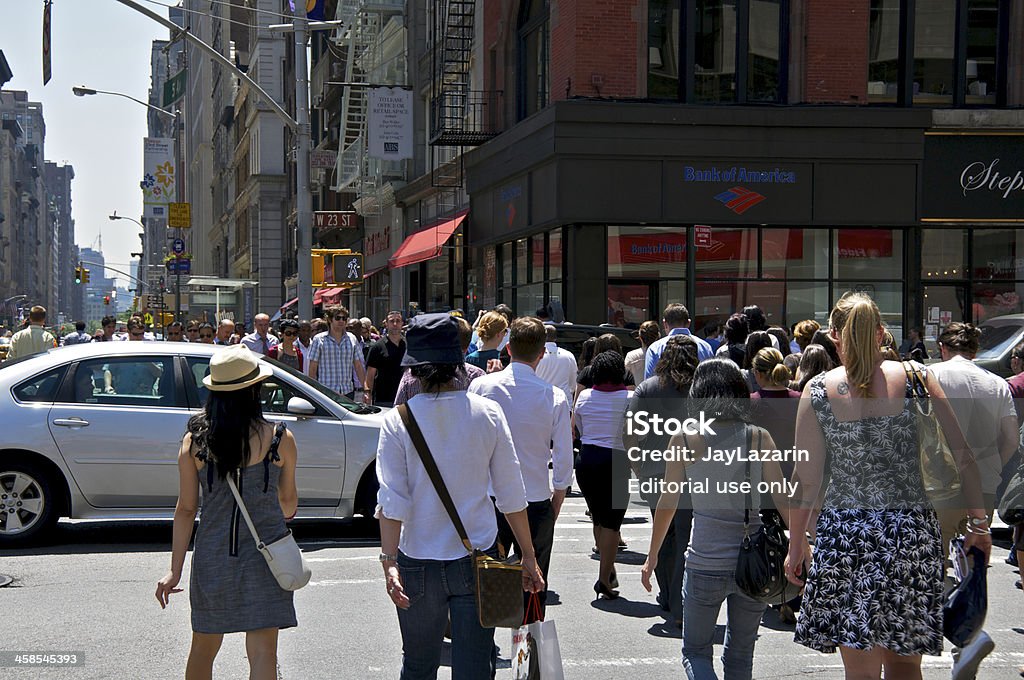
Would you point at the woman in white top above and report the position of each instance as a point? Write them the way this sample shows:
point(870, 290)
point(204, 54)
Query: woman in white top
point(598, 417)
point(428, 573)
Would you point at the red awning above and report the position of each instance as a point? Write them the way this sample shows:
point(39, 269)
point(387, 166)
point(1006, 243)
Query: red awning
point(427, 244)
point(326, 295)
point(289, 303)
point(374, 271)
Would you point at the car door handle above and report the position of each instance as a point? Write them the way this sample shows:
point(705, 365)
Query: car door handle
point(71, 422)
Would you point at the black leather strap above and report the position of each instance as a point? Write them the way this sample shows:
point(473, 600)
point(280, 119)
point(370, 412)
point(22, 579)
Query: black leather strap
point(435, 475)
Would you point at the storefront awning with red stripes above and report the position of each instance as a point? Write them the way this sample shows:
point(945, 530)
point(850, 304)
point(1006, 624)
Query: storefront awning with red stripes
point(327, 296)
point(427, 244)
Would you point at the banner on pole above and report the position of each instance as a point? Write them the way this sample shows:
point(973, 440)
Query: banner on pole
point(390, 123)
point(158, 179)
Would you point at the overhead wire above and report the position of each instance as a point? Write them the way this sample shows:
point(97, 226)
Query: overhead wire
point(226, 3)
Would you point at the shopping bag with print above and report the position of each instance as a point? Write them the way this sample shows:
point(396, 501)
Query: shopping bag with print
point(535, 651)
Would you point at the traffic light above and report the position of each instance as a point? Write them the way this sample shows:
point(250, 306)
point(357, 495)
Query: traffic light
point(78, 275)
point(106, 299)
point(85, 276)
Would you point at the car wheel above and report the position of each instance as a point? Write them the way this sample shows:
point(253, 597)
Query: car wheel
point(27, 503)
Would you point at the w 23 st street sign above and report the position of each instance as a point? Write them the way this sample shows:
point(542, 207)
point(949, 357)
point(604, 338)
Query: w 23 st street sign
point(181, 266)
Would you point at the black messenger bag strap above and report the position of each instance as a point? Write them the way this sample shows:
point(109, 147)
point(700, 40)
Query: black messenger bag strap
point(435, 475)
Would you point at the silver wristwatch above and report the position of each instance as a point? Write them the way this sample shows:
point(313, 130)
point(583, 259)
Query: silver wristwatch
point(384, 557)
point(978, 521)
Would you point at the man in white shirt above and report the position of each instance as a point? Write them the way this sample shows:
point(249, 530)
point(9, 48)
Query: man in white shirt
point(538, 417)
point(983, 407)
point(557, 366)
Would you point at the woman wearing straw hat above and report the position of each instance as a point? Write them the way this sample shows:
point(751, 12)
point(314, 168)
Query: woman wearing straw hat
point(231, 587)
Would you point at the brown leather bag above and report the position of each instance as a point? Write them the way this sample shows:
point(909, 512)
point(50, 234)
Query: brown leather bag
point(499, 583)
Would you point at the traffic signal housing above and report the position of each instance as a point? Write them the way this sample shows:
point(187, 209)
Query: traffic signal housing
point(85, 276)
point(106, 299)
point(78, 275)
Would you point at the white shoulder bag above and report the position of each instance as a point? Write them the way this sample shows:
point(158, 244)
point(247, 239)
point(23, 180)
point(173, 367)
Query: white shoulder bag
point(283, 555)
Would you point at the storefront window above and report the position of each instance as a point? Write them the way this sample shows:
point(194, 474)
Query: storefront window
point(720, 299)
point(555, 253)
point(996, 298)
point(943, 254)
point(934, 39)
point(506, 265)
point(529, 299)
point(715, 51)
point(663, 49)
point(869, 253)
point(883, 50)
point(646, 252)
point(998, 253)
point(438, 289)
point(888, 297)
point(763, 59)
point(490, 283)
point(794, 253)
point(806, 301)
point(669, 292)
point(629, 304)
point(982, 37)
point(537, 258)
point(729, 252)
point(522, 263)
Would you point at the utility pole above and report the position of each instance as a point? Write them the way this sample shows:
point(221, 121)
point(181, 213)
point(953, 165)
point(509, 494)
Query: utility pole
point(304, 194)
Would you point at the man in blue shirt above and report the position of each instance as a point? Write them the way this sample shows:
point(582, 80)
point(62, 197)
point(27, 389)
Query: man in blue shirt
point(676, 320)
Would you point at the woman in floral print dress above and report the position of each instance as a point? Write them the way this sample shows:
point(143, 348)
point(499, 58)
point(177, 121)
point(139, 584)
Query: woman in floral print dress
point(874, 588)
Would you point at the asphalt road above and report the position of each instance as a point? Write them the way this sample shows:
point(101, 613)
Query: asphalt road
point(92, 591)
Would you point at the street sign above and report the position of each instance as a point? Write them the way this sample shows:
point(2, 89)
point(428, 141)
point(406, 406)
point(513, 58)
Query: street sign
point(179, 266)
point(323, 219)
point(174, 88)
point(179, 246)
point(702, 236)
point(323, 159)
point(179, 215)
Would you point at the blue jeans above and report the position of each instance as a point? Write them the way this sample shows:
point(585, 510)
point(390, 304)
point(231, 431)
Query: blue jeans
point(438, 590)
point(703, 595)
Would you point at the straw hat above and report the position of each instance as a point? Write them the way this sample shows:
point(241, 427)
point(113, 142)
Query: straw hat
point(235, 367)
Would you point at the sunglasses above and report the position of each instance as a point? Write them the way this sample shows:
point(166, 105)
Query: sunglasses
point(138, 335)
point(287, 333)
point(205, 336)
point(340, 318)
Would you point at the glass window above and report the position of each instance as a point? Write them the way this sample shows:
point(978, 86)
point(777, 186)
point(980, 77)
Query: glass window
point(715, 51)
point(763, 65)
point(669, 292)
point(942, 305)
point(805, 301)
point(888, 297)
point(996, 298)
point(732, 253)
point(274, 395)
point(555, 253)
point(943, 254)
point(794, 253)
point(719, 299)
point(490, 291)
point(438, 293)
point(982, 36)
point(998, 253)
point(506, 265)
point(883, 50)
point(629, 304)
point(537, 258)
point(42, 387)
point(522, 263)
point(663, 49)
point(534, 57)
point(126, 381)
point(869, 253)
point(529, 299)
point(934, 38)
point(646, 252)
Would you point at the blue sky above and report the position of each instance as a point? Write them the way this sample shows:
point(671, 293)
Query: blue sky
point(104, 45)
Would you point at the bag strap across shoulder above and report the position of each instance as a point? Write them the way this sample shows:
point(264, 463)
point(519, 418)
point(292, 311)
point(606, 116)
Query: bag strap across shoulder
point(435, 475)
point(245, 512)
point(918, 385)
point(750, 496)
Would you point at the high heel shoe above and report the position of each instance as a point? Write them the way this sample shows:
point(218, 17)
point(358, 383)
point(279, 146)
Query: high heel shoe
point(602, 589)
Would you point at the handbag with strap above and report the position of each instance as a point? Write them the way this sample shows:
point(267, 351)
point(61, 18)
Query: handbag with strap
point(499, 583)
point(283, 556)
point(1011, 494)
point(761, 563)
point(940, 474)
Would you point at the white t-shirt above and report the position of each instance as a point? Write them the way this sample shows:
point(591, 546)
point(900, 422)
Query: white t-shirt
point(635, 364)
point(980, 399)
point(600, 417)
point(558, 367)
point(471, 444)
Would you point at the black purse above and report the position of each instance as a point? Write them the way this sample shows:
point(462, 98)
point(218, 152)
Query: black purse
point(1011, 491)
point(761, 563)
point(499, 583)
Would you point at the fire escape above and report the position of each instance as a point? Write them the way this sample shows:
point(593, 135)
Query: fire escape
point(459, 115)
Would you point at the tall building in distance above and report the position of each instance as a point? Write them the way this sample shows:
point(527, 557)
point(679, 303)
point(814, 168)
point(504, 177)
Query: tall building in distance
point(68, 294)
point(99, 286)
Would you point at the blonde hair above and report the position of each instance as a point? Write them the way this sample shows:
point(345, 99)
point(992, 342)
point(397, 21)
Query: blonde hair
point(491, 325)
point(769, 362)
point(856, 319)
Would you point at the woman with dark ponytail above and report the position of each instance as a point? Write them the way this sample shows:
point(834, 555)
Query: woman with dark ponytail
point(231, 587)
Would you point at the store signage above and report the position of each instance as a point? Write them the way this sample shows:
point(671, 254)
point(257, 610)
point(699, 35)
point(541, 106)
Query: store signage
point(325, 219)
point(865, 243)
point(973, 177)
point(390, 123)
point(378, 241)
point(702, 236)
point(739, 174)
point(724, 245)
point(320, 159)
point(158, 180)
point(738, 193)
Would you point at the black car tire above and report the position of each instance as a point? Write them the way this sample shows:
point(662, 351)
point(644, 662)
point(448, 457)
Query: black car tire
point(40, 486)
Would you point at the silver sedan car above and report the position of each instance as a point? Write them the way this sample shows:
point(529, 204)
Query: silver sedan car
point(93, 431)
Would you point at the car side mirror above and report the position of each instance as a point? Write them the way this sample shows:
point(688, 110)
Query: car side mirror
point(301, 407)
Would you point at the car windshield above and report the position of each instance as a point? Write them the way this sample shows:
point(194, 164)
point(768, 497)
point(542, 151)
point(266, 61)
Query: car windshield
point(995, 340)
point(339, 399)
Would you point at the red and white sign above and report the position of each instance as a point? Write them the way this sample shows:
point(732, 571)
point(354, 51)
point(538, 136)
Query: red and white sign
point(702, 236)
point(865, 243)
point(323, 159)
point(323, 219)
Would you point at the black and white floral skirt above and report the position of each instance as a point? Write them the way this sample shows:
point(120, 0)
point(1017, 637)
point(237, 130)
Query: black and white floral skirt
point(875, 581)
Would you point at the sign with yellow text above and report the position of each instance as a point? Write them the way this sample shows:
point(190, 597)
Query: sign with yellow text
point(179, 215)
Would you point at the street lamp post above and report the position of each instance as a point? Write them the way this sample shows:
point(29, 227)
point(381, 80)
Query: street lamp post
point(82, 91)
point(177, 274)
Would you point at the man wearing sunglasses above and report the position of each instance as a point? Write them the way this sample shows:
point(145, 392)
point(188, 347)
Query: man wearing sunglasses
point(333, 354)
point(176, 332)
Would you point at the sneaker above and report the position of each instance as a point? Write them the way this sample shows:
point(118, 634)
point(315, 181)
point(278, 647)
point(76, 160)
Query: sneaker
point(1012, 559)
point(966, 667)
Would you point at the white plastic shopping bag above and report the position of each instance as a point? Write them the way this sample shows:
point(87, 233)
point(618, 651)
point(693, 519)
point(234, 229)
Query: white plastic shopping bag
point(535, 652)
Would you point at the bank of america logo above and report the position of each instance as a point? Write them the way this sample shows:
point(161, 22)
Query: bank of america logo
point(739, 199)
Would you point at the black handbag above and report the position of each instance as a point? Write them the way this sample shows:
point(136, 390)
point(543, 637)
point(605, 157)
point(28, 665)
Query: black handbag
point(963, 613)
point(1011, 492)
point(499, 583)
point(761, 563)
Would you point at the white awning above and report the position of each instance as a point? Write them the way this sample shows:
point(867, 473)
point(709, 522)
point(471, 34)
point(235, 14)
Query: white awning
point(216, 282)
